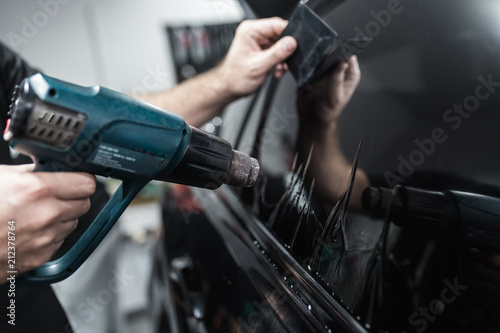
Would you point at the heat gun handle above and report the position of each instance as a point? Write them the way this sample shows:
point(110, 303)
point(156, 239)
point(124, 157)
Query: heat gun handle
point(61, 268)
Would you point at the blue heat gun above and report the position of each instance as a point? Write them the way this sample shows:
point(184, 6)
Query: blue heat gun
point(66, 127)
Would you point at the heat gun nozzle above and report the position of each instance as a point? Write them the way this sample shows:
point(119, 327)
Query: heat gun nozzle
point(244, 170)
point(210, 161)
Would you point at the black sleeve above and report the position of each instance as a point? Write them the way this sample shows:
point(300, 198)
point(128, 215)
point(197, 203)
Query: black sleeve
point(36, 308)
point(13, 70)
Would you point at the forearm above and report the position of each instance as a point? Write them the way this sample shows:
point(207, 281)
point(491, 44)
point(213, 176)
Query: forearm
point(197, 100)
point(254, 52)
point(329, 166)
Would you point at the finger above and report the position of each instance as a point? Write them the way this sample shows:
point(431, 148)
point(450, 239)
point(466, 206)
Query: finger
point(270, 28)
point(353, 73)
point(277, 53)
point(69, 185)
point(284, 67)
point(22, 168)
point(71, 209)
point(279, 71)
point(45, 242)
point(45, 213)
point(25, 167)
point(64, 229)
point(340, 72)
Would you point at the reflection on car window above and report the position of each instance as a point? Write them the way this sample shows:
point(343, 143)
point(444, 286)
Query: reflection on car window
point(426, 110)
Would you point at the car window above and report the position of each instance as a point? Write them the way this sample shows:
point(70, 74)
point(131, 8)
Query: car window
point(426, 111)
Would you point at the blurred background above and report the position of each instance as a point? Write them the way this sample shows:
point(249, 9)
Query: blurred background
point(117, 44)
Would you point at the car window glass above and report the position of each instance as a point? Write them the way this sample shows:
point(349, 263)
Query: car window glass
point(426, 110)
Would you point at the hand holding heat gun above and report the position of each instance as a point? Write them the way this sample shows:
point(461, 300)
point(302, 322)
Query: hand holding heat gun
point(65, 127)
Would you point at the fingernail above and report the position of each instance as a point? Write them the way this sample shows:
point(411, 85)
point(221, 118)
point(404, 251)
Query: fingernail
point(287, 45)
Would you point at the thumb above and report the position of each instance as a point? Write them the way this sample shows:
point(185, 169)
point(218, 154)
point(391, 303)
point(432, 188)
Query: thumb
point(277, 53)
point(24, 167)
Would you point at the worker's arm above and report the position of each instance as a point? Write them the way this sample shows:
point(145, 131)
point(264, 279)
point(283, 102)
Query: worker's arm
point(255, 50)
point(320, 107)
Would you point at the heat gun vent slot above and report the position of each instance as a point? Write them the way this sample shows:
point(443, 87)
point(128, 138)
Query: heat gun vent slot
point(54, 125)
point(15, 95)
